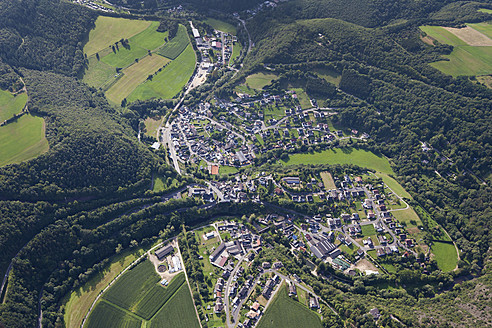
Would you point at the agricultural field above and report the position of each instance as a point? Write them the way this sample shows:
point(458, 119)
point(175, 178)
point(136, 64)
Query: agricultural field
point(133, 76)
point(328, 180)
point(107, 315)
point(80, 300)
point(445, 255)
point(285, 312)
point(360, 157)
point(170, 81)
point(472, 52)
point(176, 45)
point(10, 104)
point(178, 312)
point(221, 26)
point(132, 286)
point(485, 10)
point(108, 30)
point(22, 139)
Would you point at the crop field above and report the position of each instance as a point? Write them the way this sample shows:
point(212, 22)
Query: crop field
point(157, 296)
point(134, 76)
point(22, 140)
point(360, 157)
point(81, 299)
point(178, 312)
point(327, 180)
point(131, 287)
point(445, 255)
point(108, 30)
point(484, 28)
point(176, 45)
point(107, 315)
point(169, 82)
point(10, 104)
point(286, 313)
point(258, 80)
point(442, 35)
point(221, 26)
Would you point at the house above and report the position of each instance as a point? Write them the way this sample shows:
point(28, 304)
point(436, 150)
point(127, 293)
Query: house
point(292, 289)
point(292, 180)
point(163, 252)
point(266, 265)
point(375, 313)
point(313, 303)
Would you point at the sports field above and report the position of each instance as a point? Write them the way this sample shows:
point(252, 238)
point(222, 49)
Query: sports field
point(445, 255)
point(176, 45)
point(108, 30)
point(133, 76)
point(169, 82)
point(286, 313)
point(221, 26)
point(22, 140)
point(178, 312)
point(10, 105)
point(359, 157)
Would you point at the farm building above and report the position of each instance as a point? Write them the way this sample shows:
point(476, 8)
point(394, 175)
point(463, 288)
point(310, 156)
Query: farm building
point(163, 252)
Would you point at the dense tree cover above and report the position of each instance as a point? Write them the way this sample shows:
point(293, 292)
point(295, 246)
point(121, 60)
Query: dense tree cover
point(9, 80)
point(44, 34)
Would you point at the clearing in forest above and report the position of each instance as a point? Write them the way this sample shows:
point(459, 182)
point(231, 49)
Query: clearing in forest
point(221, 26)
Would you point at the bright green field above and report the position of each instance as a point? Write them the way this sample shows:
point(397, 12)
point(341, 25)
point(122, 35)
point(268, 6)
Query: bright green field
point(357, 157)
point(484, 10)
point(124, 57)
point(236, 51)
point(169, 82)
point(98, 73)
point(108, 30)
point(328, 75)
point(445, 255)
point(176, 45)
point(259, 80)
point(394, 185)
point(467, 60)
point(178, 312)
point(227, 170)
point(130, 288)
point(442, 35)
point(286, 313)
point(22, 140)
point(407, 216)
point(368, 230)
point(10, 105)
point(221, 26)
point(107, 315)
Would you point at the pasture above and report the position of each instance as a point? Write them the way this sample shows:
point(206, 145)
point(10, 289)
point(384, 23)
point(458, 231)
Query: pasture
point(286, 313)
point(170, 81)
point(328, 180)
point(10, 104)
point(484, 28)
point(134, 76)
point(176, 45)
point(359, 157)
point(98, 74)
point(178, 312)
point(445, 255)
point(108, 30)
point(442, 35)
point(107, 315)
point(80, 300)
point(221, 26)
point(130, 288)
point(408, 217)
point(485, 10)
point(22, 140)
point(152, 125)
point(258, 80)
point(329, 75)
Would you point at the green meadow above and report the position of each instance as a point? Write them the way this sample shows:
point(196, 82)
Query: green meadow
point(221, 26)
point(10, 104)
point(445, 255)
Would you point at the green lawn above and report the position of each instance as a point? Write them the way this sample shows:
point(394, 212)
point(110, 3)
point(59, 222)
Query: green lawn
point(394, 185)
point(81, 299)
point(285, 312)
point(227, 169)
point(178, 312)
point(408, 216)
point(10, 104)
point(236, 51)
point(169, 82)
point(368, 230)
point(303, 98)
point(152, 125)
point(221, 26)
point(22, 140)
point(445, 255)
point(107, 315)
point(124, 56)
point(108, 30)
point(176, 45)
point(258, 80)
point(149, 39)
point(328, 180)
point(353, 156)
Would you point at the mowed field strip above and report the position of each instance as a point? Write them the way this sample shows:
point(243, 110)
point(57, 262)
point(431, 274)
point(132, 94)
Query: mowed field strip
point(108, 30)
point(133, 76)
point(10, 104)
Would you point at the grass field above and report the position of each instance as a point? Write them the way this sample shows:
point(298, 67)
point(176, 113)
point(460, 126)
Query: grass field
point(485, 27)
point(169, 82)
point(445, 255)
point(134, 76)
point(132, 286)
point(485, 10)
point(227, 169)
point(328, 75)
point(107, 315)
point(442, 35)
point(176, 45)
point(22, 140)
point(108, 30)
point(368, 230)
point(10, 105)
point(221, 26)
point(156, 297)
point(408, 216)
point(236, 51)
point(303, 98)
point(394, 185)
point(285, 312)
point(81, 299)
point(353, 156)
point(328, 180)
point(124, 56)
point(258, 80)
point(178, 312)
point(98, 74)
point(152, 125)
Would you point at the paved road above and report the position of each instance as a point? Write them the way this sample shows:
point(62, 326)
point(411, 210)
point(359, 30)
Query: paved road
point(226, 298)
